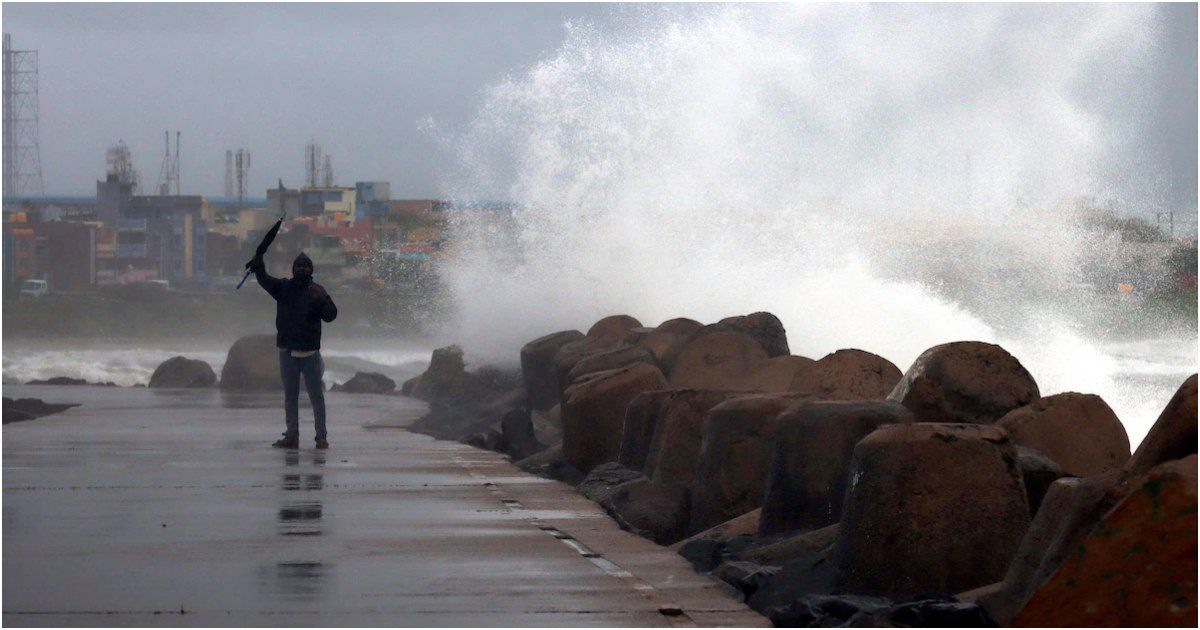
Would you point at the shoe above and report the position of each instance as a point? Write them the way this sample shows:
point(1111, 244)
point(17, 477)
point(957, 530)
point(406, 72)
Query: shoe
point(322, 443)
point(286, 443)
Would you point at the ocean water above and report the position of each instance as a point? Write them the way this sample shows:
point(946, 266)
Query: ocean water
point(132, 365)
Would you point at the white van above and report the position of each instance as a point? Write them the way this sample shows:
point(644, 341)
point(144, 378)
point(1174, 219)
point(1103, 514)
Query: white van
point(34, 288)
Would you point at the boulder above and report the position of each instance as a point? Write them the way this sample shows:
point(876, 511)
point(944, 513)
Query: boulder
point(778, 374)
point(182, 372)
point(931, 508)
point(593, 413)
point(367, 383)
point(651, 510)
point(762, 327)
point(610, 359)
point(641, 418)
point(705, 549)
point(547, 425)
point(679, 326)
point(1005, 600)
point(23, 409)
point(488, 440)
point(675, 446)
point(965, 381)
point(659, 345)
point(1137, 568)
point(824, 611)
point(446, 378)
point(1038, 472)
point(520, 441)
point(612, 329)
point(731, 469)
point(1173, 435)
point(847, 375)
point(573, 352)
point(719, 361)
point(537, 368)
point(784, 550)
point(805, 573)
point(252, 364)
point(809, 463)
point(1078, 431)
point(549, 463)
point(599, 483)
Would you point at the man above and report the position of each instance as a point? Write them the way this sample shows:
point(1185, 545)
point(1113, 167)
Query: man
point(300, 307)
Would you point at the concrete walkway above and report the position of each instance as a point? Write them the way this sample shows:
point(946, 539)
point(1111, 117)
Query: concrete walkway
point(157, 508)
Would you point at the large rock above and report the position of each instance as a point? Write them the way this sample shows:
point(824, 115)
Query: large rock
point(1021, 579)
point(705, 549)
point(931, 508)
point(778, 374)
point(367, 383)
point(603, 479)
point(809, 463)
point(520, 440)
point(762, 327)
point(549, 463)
point(965, 381)
point(679, 326)
point(445, 380)
point(23, 409)
point(732, 467)
point(1078, 431)
point(651, 510)
point(1039, 472)
point(537, 367)
point(593, 413)
point(611, 359)
point(612, 329)
point(719, 361)
point(182, 372)
point(1137, 568)
point(252, 364)
point(641, 418)
point(847, 375)
point(1173, 435)
point(675, 446)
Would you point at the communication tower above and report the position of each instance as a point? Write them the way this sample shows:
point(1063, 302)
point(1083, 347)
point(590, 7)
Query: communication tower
point(228, 173)
point(312, 164)
point(168, 174)
point(22, 156)
point(327, 173)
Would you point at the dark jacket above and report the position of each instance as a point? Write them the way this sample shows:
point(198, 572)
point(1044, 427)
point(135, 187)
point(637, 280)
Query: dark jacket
point(300, 307)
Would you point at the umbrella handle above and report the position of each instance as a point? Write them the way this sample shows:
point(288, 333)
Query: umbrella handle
point(243, 281)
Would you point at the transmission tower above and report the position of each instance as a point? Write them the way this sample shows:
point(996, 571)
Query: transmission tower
point(22, 157)
point(312, 164)
point(327, 173)
point(228, 174)
point(168, 174)
point(242, 166)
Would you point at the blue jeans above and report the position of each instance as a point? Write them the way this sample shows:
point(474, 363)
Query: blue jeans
point(290, 369)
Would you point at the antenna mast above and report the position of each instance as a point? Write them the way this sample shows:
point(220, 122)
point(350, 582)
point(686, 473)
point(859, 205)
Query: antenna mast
point(22, 155)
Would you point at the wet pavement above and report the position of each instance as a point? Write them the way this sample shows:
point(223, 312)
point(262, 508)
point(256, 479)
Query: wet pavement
point(168, 508)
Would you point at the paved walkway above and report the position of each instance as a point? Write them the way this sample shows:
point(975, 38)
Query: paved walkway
point(147, 507)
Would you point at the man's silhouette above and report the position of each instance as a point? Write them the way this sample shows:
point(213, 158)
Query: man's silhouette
point(300, 307)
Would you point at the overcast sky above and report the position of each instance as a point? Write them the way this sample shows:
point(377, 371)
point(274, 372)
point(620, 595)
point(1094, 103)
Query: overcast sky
point(359, 79)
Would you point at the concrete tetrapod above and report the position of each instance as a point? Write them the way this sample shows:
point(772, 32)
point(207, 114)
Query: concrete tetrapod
point(931, 508)
point(809, 463)
point(593, 413)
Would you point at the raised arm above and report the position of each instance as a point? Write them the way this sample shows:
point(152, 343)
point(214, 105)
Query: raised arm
point(269, 283)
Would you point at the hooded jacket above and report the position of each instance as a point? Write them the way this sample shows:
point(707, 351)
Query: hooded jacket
point(300, 307)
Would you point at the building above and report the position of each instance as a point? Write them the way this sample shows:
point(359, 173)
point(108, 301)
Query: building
point(70, 255)
point(372, 200)
point(334, 204)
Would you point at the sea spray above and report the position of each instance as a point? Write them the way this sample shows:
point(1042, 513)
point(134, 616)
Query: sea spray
point(879, 177)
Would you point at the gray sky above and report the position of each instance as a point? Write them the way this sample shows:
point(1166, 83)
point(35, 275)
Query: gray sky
point(360, 80)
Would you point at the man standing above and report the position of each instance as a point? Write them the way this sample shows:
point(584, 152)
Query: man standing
point(300, 307)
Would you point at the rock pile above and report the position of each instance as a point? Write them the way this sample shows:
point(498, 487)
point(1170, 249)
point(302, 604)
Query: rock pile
point(841, 491)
